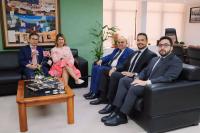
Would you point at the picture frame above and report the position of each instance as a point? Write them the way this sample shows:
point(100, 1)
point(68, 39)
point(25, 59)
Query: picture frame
point(21, 17)
point(194, 15)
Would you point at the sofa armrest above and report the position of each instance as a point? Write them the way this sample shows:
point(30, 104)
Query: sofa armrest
point(166, 98)
point(82, 65)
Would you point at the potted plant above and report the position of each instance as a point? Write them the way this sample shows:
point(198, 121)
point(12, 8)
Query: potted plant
point(100, 34)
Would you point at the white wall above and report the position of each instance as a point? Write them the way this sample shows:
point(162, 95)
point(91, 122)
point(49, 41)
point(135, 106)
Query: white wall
point(192, 30)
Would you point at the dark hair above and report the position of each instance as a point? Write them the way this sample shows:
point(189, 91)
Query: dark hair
point(167, 38)
point(57, 36)
point(142, 34)
point(33, 34)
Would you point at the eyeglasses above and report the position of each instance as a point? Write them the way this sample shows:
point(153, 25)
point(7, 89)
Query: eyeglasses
point(121, 42)
point(34, 38)
point(165, 45)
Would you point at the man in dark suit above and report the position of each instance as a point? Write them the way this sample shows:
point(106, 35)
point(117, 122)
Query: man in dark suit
point(31, 57)
point(134, 64)
point(165, 68)
point(116, 58)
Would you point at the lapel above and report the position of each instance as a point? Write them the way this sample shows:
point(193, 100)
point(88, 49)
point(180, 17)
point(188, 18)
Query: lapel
point(28, 48)
point(141, 58)
point(162, 64)
point(122, 54)
point(114, 53)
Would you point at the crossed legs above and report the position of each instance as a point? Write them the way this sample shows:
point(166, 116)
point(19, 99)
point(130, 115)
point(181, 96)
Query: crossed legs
point(67, 71)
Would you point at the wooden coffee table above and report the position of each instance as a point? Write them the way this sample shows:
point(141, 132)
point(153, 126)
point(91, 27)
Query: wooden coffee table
point(23, 103)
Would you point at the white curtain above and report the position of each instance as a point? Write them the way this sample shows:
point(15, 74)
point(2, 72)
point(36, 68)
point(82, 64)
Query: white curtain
point(120, 13)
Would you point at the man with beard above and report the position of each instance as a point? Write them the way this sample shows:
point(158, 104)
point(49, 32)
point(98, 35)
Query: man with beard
point(165, 68)
point(134, 64)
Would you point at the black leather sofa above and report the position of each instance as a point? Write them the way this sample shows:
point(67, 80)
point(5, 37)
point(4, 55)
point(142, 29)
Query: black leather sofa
point(82, 65)
point(168, 106)
point(10, 72)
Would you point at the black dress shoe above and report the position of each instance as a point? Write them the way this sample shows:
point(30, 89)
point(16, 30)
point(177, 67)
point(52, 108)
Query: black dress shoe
point(107, 117)
point(107, 109)
point(87, 94)
point(98, 101)
point(116, 120)
point(92, 96)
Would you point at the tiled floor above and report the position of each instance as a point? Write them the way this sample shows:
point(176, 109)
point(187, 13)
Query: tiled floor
point(52, 118)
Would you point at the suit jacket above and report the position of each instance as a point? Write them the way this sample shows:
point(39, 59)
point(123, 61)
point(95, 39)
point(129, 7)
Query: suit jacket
point(166, 71)
point(25, 55)
point(127, 52)
point(142, 62)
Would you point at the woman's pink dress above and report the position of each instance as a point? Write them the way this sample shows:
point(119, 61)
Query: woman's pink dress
point(62, 56)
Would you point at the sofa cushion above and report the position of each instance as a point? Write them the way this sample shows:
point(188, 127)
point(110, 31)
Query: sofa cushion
point(11, 76)
point(9, 60)
point(190, 72)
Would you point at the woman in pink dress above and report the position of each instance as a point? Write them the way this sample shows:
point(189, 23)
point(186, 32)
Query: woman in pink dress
point(63, 62)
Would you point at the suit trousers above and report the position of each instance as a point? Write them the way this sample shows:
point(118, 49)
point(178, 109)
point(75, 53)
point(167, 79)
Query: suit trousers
point(103, 86)
point(97, 72)
point(127, 94)
point(113, 84)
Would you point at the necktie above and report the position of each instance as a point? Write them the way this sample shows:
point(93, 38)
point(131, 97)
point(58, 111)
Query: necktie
point(34, 56)
point(134, 61)
point(115, 57)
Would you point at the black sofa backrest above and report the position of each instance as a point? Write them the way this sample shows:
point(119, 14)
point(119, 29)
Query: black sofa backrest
point(193, 55)
point(178, 50)
point(74, 52)
point(9, 60)
point(190, 72)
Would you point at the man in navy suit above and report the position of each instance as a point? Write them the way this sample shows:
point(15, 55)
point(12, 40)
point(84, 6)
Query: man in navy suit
point(165, 68)
point(31, 57)
point(133, 65)
point(116, 58)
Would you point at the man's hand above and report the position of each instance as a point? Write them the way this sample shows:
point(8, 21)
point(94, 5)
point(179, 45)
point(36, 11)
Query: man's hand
point(128, 74)
point(99, 62)
point(34, 52)
point(139, 82)
point(112, 70)
point(31, 66)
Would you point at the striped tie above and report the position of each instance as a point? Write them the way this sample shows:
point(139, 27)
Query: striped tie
point(131, 68)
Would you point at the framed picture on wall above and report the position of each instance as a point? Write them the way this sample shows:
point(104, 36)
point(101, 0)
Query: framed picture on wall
point(21, 17)
point(194, 15)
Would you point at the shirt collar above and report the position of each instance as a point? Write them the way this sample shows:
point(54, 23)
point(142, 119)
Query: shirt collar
point(142, 50)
